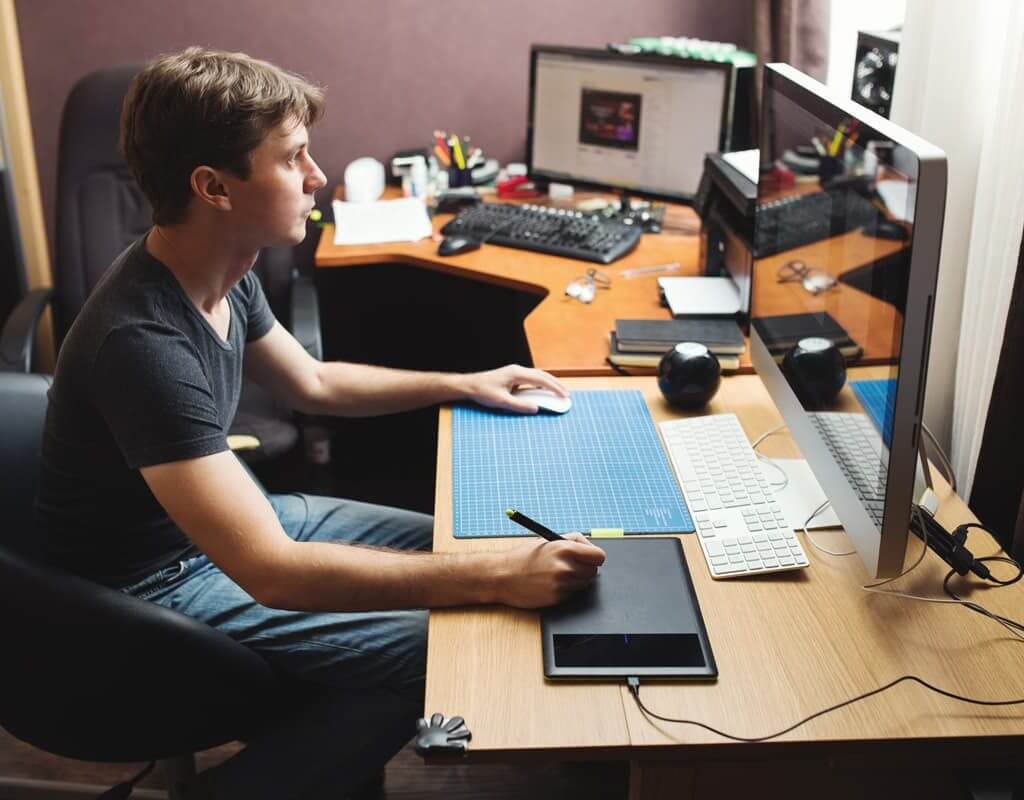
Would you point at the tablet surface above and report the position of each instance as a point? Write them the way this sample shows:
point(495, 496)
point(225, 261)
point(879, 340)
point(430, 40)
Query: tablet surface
point(640, 617)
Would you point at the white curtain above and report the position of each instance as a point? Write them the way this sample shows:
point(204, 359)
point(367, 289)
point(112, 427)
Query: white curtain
point(960, 85)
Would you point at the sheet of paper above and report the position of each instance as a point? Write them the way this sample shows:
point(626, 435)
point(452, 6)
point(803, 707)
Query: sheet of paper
point(403, 220)
point(894, 195)
point(802, 494)
point(746, 162)
point(705, 296)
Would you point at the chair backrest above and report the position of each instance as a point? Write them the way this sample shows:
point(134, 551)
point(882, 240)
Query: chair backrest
point(100, 207)
point(22, 414)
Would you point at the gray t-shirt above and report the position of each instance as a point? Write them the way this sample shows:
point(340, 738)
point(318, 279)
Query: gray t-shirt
point(142, 379)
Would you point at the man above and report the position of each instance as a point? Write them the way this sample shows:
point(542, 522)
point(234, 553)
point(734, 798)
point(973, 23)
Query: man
point(140, 492)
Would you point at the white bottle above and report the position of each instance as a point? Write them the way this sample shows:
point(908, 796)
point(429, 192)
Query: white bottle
point(418, 179)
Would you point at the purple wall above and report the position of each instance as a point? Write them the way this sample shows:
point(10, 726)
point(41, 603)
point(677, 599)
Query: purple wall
point(394, 69)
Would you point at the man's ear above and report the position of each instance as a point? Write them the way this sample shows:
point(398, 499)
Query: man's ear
point(208, 187)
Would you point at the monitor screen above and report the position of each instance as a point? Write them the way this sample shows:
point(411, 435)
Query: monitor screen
point(847, 231)
point(641, 123)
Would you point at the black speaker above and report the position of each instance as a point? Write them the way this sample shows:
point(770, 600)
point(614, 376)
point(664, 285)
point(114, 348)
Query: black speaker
point(874, 69)
point(689, 375)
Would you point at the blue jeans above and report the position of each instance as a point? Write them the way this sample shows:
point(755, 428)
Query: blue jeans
point(371, 664)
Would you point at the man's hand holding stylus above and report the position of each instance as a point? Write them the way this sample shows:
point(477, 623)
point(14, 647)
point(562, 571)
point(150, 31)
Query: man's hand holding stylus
point(536, 573)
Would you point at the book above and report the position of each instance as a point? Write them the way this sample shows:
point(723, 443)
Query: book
point(782, 332)
point(620, 358)
point(720, 336)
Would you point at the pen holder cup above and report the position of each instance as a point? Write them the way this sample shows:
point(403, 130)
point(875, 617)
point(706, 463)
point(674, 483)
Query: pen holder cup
point(459, 177)
point(829, 167)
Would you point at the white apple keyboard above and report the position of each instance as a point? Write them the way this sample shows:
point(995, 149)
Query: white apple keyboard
point(741, 528)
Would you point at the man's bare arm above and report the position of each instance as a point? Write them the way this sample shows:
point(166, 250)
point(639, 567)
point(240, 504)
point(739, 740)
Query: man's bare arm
point(281, 365)
point(217, 504)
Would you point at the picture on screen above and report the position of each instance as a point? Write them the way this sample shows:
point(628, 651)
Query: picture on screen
point(610, 119)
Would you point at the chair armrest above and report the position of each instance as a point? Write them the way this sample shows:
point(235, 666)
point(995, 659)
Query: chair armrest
point(19, 333)
point(306, 316)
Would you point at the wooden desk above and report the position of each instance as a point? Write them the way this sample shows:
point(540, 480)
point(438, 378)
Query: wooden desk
point(569, 338)
point(787, 645)
point(564, 336)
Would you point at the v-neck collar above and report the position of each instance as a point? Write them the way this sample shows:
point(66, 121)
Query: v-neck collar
point(224, 344)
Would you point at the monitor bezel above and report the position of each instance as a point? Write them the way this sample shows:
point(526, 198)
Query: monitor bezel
point(883, 549)
point(674, 62)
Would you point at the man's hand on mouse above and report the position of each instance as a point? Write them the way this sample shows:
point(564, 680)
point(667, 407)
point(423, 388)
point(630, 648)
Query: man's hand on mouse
point(495, 388)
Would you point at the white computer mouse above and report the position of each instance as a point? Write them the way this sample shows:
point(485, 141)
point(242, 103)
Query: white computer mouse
point(545, 399)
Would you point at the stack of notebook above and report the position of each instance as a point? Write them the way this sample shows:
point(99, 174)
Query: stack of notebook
point(642, 342)
point(780, 333)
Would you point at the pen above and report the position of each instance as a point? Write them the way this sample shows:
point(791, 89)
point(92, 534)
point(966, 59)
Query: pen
point(439, 139)
point(442, 156)
point(632, 273)
point(530, 525)
point(457, 152)
point(833, 148)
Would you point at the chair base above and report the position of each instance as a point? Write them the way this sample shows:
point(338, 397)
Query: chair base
point(181, 779)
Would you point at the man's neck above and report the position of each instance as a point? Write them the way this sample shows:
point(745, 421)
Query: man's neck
point(206, 264)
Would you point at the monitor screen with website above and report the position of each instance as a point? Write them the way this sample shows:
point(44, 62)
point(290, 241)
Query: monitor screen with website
point(641, 123)
point(848, 229)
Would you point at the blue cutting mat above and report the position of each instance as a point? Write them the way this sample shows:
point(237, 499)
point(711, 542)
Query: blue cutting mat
point(879, 399)
point(601, 465)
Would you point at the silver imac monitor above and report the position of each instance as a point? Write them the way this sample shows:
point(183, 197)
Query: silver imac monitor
point(847, 237)
point(641, 123)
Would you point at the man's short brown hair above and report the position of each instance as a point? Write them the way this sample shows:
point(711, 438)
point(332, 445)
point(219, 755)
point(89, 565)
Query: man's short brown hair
point(204, 107)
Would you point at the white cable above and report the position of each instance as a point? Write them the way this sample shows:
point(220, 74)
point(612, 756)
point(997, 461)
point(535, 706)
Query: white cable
point(814, 544)
point(777, 485)
point(764, 436)
point(947, 467)
point(785, 477)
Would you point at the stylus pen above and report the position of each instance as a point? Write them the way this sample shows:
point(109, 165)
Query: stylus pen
point(530, 525)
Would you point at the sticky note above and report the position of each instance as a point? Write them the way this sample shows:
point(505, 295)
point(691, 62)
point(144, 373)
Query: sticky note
point(606, 533)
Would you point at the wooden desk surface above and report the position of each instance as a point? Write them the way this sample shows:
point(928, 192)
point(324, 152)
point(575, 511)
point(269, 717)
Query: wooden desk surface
point(566, 337)
point(787, 645)
point(569, 338)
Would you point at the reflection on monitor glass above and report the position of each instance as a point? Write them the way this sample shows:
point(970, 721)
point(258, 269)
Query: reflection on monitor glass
point(832, 244)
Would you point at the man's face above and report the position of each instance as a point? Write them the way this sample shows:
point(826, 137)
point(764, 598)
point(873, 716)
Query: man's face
point(272, 205)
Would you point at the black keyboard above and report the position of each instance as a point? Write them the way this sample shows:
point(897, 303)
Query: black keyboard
point(555, 231)
point(806, 218)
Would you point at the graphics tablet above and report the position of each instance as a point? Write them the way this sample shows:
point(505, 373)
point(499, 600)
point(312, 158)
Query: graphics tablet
point(640, 617)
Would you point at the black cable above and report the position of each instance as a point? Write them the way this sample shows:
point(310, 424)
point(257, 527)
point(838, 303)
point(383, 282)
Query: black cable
point(977, 608)
point(634, 683)
point(618, 368)
point(634, 688)
point(124, 790)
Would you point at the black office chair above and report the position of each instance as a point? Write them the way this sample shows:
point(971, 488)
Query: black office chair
point(101, 210)
point(91, 673)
